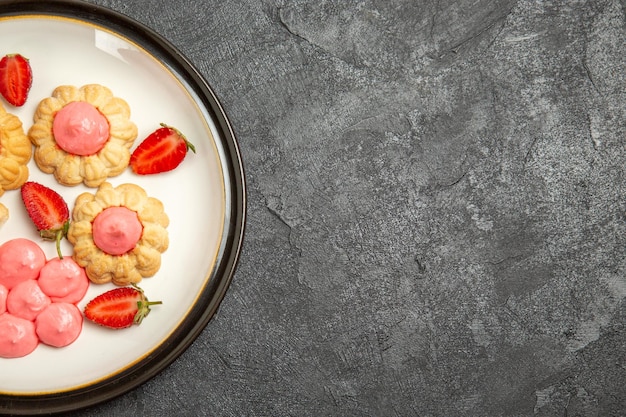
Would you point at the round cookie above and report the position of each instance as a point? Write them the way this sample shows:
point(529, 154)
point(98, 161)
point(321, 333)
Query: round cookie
point(130, 267)
point(94, 111)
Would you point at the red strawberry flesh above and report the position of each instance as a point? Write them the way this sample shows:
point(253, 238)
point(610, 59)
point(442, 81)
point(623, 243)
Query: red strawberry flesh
point(16, 78)
point(47, 210)
point(162, 151)
point(119, 308)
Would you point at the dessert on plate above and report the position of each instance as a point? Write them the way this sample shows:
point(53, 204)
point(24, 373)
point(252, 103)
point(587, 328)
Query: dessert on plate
point(118, 234)
point(38, 298)
point(18, 336)
point(82, 135)
point(20, 260)
point(59, 324)
point(4, 214)
point(15, 152)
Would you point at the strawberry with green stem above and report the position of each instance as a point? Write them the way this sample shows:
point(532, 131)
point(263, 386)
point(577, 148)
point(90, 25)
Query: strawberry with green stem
point(119, 308)
point(48, 211)
point(162, 151)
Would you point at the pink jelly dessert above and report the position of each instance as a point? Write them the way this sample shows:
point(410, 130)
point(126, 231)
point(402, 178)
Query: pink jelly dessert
point(80, 129)
point(116, 230)
point(3, 298)
point(20, 260)
point(59, 324)
point(26, 300)
point(17, 336)
point(63, 280)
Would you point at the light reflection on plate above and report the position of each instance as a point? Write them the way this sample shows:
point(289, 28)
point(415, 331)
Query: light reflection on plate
point(204, 198)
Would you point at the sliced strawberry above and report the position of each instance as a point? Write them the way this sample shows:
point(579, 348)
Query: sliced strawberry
point(16, 78)
point(48, 211)
point(163, 150)
point(119, 308)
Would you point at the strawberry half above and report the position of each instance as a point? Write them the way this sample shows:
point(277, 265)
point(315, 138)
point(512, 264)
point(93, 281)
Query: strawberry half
point(16, 78)
point(163, 150)
point(48, 211)
point(119, 308)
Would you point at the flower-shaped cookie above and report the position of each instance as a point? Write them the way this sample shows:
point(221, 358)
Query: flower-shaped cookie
point(118, 234)
point(15, 152)
point(82, 134)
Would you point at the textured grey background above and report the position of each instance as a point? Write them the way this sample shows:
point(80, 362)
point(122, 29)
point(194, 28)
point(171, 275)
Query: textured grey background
point(437, 201)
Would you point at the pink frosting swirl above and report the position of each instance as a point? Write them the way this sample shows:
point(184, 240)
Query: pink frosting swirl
point(80, 129)
point(63, 280)
point(20, 260)
point(17, 336)
point(116, 230)
point(59, 324)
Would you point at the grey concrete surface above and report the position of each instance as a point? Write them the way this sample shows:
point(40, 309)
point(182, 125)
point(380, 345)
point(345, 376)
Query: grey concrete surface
point(436, 221)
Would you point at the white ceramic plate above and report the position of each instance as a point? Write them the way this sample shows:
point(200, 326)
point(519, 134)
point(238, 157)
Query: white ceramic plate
point(73, 43)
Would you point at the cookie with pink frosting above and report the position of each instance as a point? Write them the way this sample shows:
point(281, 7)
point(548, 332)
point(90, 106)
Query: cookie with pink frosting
point(82, 134)
point(118, 234)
